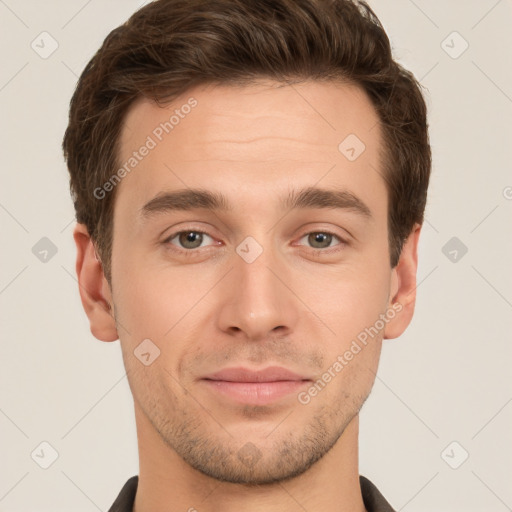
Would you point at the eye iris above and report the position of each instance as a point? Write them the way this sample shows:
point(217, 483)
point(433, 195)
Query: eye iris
point(320, 237)
point(195, 239)
point(192, 237)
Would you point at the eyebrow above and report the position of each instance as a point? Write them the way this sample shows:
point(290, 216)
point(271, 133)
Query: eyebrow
point(310, 197)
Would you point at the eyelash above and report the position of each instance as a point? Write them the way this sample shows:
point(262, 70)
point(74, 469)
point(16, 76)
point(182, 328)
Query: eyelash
point(193, 252)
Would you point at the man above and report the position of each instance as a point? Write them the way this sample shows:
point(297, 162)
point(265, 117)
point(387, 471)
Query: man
point(249, 179)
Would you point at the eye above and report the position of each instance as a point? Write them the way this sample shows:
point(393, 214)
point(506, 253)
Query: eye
point(320, 240)
point(189, 239)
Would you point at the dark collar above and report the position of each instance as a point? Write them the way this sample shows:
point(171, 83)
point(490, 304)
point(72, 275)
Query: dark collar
point(372, 498)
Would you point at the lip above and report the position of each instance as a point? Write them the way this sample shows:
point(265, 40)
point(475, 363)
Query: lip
point(269, 374)
point(255, 387)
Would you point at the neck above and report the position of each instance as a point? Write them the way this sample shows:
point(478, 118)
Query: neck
point(168, 484)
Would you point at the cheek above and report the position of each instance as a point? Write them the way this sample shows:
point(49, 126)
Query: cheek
point(159, 302)
point(352, 307)
point(151, 311)
point(347, 299)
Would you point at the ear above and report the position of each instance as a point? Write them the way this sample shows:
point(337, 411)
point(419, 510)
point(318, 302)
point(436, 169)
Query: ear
point(94, 289)
point(403, 287)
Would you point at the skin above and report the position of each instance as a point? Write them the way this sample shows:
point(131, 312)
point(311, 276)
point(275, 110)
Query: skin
point(215, 310)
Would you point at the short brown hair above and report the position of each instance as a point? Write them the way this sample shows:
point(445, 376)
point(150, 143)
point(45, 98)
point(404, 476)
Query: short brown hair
point(169, 46)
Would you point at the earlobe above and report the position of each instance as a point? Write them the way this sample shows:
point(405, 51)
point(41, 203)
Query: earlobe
point(94, 290)
point(403, 287)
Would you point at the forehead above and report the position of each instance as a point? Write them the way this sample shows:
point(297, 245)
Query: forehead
point(311, 110)
point(244, 139)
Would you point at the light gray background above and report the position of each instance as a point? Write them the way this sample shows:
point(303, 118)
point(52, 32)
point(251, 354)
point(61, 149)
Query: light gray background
point(446, 379)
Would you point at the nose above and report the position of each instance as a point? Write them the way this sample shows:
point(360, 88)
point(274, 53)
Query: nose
point(257, 299)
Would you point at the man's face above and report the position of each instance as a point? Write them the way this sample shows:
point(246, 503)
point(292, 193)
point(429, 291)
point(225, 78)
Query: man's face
point(257, 284)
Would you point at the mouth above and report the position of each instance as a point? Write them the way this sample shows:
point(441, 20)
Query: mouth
point(255, 387)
